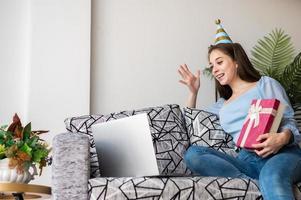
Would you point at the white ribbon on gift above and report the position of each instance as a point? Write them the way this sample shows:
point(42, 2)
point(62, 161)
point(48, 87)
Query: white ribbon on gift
point(254, 116)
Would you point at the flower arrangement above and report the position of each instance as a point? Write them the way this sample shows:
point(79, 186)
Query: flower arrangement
point(22, 146)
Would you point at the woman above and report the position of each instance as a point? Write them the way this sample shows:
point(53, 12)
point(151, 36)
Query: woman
point(275, 162)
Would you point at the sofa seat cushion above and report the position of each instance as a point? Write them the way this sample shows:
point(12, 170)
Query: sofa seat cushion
point(168, 132)
point(173, 188)
point(204, 129)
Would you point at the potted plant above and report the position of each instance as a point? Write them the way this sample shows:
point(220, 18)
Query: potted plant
point(21, 149)
point(274, 56)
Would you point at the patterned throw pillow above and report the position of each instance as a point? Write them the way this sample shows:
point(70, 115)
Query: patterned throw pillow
point(168, 131)
point(204, 129)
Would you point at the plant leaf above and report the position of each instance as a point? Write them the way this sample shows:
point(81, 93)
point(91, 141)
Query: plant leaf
point(38, 132)
point(26, 149)
point(273, 53)
point(291, 80)
point(39, 154)
point(18, 133)
point(16, 123)
point(208, 72)
point(2, 151)
point(27, 131)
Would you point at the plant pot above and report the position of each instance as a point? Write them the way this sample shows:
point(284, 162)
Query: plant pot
point(11, 175)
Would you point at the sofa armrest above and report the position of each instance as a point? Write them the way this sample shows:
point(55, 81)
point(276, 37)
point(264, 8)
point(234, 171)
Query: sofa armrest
point(70, 166)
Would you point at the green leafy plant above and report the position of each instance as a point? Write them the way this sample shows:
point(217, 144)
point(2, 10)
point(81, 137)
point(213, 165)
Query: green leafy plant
point(22, 146)
point(274, 56)
point(273, 53)
point(291, 80)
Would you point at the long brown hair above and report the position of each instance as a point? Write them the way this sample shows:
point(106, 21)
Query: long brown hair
point(245, 69)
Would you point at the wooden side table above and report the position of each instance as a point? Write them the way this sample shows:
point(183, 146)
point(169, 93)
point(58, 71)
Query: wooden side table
point(20, 191)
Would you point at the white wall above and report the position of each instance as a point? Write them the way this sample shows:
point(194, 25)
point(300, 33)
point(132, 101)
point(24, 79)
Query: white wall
point(45, 63)
point(60, 61)
point(137, 45)
point(59, 84)
point(14, 34)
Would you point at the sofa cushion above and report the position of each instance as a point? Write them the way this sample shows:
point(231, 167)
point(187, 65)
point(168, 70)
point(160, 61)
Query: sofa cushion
point(204, 129)
point(167, 188)
point(168, 131)
point(297, 110)
point(181, 188)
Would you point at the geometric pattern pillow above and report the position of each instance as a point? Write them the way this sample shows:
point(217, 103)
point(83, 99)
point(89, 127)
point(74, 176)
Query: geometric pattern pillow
point(168, 132)
point(204, 129)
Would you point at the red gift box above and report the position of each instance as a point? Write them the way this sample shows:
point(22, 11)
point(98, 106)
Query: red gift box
point(264, 117)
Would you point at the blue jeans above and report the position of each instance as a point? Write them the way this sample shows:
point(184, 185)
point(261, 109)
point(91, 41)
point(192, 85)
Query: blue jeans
point(275, 174)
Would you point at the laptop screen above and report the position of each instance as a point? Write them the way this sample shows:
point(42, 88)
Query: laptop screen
point(125, 148)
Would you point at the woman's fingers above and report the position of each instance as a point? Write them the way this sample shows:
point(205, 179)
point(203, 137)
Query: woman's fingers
point(263, 152)
point(262, 137)
point(181, 73)
point(198, 73)
point(183, 82)
point(258, 145)
point(185, 67)
point(186, 70)
point(187, 76)
point(268, 146)
point(266, 154)
point(183, 70)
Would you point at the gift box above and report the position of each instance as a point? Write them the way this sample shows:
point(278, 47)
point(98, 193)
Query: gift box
point(264, 116)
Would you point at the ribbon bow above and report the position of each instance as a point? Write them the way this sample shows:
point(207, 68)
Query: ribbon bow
point(254, 113)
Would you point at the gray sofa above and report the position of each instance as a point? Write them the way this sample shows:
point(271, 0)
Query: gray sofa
point(76, 170)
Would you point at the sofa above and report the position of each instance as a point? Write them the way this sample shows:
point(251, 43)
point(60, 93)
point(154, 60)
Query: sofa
point(76, 170)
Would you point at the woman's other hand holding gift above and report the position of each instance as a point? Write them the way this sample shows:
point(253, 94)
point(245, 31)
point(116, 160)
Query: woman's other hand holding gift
point(272, 142)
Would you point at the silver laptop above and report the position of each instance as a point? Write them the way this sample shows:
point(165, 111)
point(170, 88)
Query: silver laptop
point(125, 148)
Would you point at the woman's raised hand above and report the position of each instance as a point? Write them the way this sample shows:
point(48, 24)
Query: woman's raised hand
point(192, 81)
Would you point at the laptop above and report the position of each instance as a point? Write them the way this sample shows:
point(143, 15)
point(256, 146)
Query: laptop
point(125, 148)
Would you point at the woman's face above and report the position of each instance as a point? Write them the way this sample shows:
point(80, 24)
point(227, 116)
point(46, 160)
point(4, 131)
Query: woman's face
point(224, 68)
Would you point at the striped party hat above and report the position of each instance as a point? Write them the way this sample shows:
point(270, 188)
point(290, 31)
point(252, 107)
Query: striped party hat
point(221, 35)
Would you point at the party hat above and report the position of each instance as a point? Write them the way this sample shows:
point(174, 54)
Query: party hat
point(221, 35)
